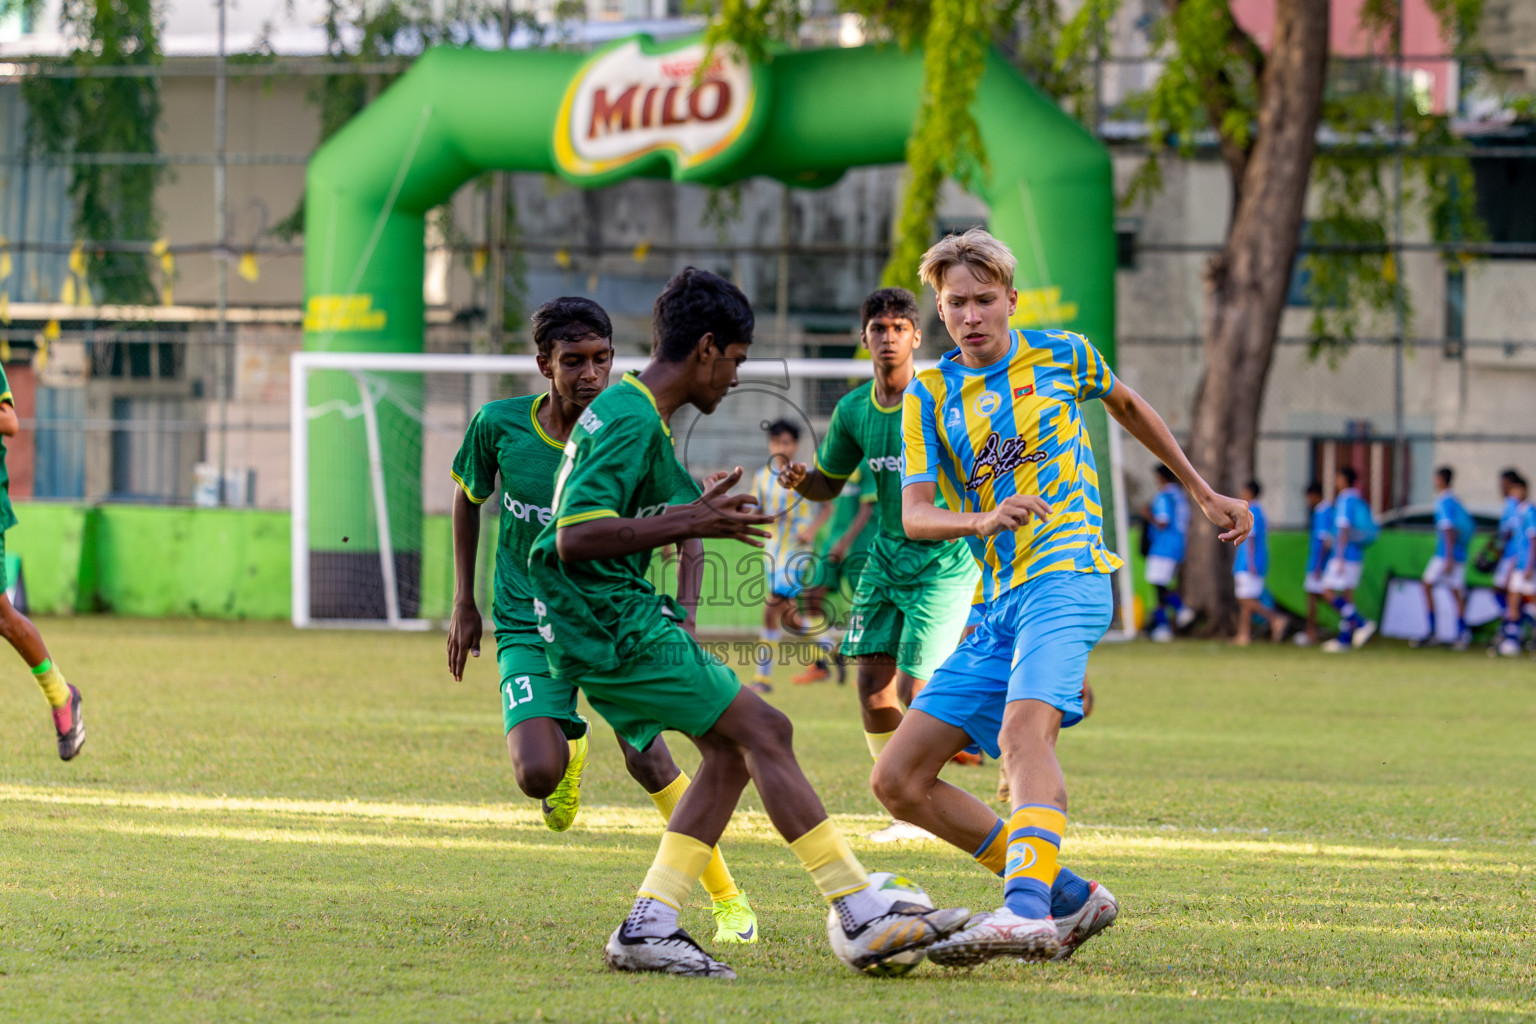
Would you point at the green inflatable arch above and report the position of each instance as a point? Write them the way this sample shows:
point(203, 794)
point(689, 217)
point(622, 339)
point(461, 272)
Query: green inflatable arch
point(635, 108)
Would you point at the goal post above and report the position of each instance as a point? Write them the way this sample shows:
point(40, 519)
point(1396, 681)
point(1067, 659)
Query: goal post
point(360, 499)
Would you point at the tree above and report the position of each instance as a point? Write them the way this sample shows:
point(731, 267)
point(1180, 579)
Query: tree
point(1264, 108)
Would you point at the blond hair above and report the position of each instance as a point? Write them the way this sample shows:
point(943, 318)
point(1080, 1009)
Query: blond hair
point(989, 259)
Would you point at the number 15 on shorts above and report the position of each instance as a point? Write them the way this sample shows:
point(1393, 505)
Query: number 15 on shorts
point(512, 687)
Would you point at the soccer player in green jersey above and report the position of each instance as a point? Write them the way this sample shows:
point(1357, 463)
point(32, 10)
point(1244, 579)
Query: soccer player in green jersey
point(62, 697)
point(621, 493)
point(997, 430)
point(842, 536)
point(914, 595)
point(519, 441)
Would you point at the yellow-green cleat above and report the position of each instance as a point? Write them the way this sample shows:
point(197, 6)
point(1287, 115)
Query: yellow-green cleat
point(735, 921)
point(560, 807)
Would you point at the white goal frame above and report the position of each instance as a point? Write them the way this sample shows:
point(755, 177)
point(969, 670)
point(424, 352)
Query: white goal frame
point(302, 364)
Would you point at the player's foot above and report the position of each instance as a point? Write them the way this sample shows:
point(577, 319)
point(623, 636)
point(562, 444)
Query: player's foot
point(1366, 630)
point(760, 684)
point(1095, 915)
point(1423, 641)
point(1303, 640)
point(69, 726)
point(560, 807)
point(901, 832)
point(1183, 617)
point(1335, 646)
point(967, 758)
point(1000, 932)
point(1162, 634)
point(815, 674)
point(674, 954)
point(735, 920)
point(1241, 641)
point(1277, 628)
point(905, 926)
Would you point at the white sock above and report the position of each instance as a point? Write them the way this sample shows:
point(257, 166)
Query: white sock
point(859, 907)
point(651, 917)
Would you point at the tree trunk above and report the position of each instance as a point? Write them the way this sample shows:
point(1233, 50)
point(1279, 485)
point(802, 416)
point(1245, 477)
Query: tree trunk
point(1246, 286)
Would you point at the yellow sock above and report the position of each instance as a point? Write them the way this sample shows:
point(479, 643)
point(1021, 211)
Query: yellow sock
point(678, 864)
point(992, 854)
point(52, 682)
point(877, 742)
point(1034, 839)
point(825, 854)
point(716, 877)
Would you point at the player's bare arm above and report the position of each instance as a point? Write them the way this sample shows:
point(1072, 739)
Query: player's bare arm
point(1141, 421)
point(464, 627)
point(716, 513)
point(690, 581)
point(861, 519)
point(810, 482)
point(10, 423)
point(924, 520)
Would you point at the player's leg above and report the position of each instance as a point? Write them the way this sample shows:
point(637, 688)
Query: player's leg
point(879, 705)
point(546, 738)
point(775, 609)
point(62, 697)
point(1058, 618)
point(739, 736)
point(811, 623)
point(665, 783)
point(1459, 592)
point(1246, 610)
point(1514, 602)
point(1427, 583)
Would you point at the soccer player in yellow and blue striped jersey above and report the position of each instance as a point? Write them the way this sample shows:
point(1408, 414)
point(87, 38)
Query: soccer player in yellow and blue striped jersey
point(997, 428)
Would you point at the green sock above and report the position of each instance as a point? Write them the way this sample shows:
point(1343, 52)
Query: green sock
point(51, 680)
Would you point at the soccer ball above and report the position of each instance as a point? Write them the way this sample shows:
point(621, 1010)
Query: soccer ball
point(894, 889)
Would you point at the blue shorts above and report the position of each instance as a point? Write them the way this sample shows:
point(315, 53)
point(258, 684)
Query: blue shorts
point(1033, 644)
point(787, 582)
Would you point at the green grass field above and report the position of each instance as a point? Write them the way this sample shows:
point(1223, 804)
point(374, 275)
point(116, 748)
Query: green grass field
point(268, 825)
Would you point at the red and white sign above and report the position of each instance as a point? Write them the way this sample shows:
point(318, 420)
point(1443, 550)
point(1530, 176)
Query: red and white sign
point(626, 104)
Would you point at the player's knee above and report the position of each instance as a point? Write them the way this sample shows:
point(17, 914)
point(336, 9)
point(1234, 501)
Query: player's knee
point(652, 767)
point(537, 779)
point(897, 789)
point(772, 731)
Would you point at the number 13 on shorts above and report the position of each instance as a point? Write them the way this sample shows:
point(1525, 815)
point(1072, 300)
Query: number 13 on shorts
point(513, 685)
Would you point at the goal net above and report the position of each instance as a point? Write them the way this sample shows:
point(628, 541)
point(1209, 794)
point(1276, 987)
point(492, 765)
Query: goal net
point(374, 436)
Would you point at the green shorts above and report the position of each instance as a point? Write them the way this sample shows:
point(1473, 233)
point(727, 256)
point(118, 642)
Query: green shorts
point(917, 624)
point(670, 682)
point(528, 691)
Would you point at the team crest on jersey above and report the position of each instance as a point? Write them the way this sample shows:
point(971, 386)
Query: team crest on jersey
point(987, 403)
point(954, 416)
point(1001, 456)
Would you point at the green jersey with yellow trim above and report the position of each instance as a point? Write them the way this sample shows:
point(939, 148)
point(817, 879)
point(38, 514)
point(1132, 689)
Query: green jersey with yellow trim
point(505, 441)
point(7, 514)
point(866, 435)
point(619, 463)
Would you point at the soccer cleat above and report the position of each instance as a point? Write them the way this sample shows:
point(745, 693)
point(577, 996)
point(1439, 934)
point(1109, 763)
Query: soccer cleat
point(560, 807)
point(72, 738)
point(967, 758)
point(901, 832)
point(903, 927)
point(1183, 617)
point(673, 954)
point(815, 674)
point(1302, 640)
point(998, 933)
point(1509, 648)
point(760, 684)
point(1095, 915)
point(735, 920)
point(1366, 630)
point(1162, 634)
point(1335, 646)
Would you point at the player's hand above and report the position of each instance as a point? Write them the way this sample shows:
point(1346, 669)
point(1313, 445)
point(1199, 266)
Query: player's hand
point(463, 638)
point(793, 475)
point(805, 535)
point(1013, 513)
point(718, 513)
point(1230, 515)
point(715, 477)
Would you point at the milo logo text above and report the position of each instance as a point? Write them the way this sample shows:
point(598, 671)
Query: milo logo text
point(1001, 456)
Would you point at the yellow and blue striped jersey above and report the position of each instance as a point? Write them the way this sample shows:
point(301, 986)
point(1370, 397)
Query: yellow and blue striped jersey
point(791, 514)
point(1015, 427)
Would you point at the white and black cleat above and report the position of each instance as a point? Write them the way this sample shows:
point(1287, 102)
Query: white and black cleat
point(672, 954)
point(904, 928)
point(998, 933)
point(1097, 913)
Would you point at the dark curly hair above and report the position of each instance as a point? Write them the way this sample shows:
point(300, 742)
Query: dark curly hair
point(694, 303)
point(569, 318)
point(889, 302)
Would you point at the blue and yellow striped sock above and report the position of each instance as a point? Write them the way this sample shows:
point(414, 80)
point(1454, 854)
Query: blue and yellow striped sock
point(1034, 840)
point(1068, 892)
